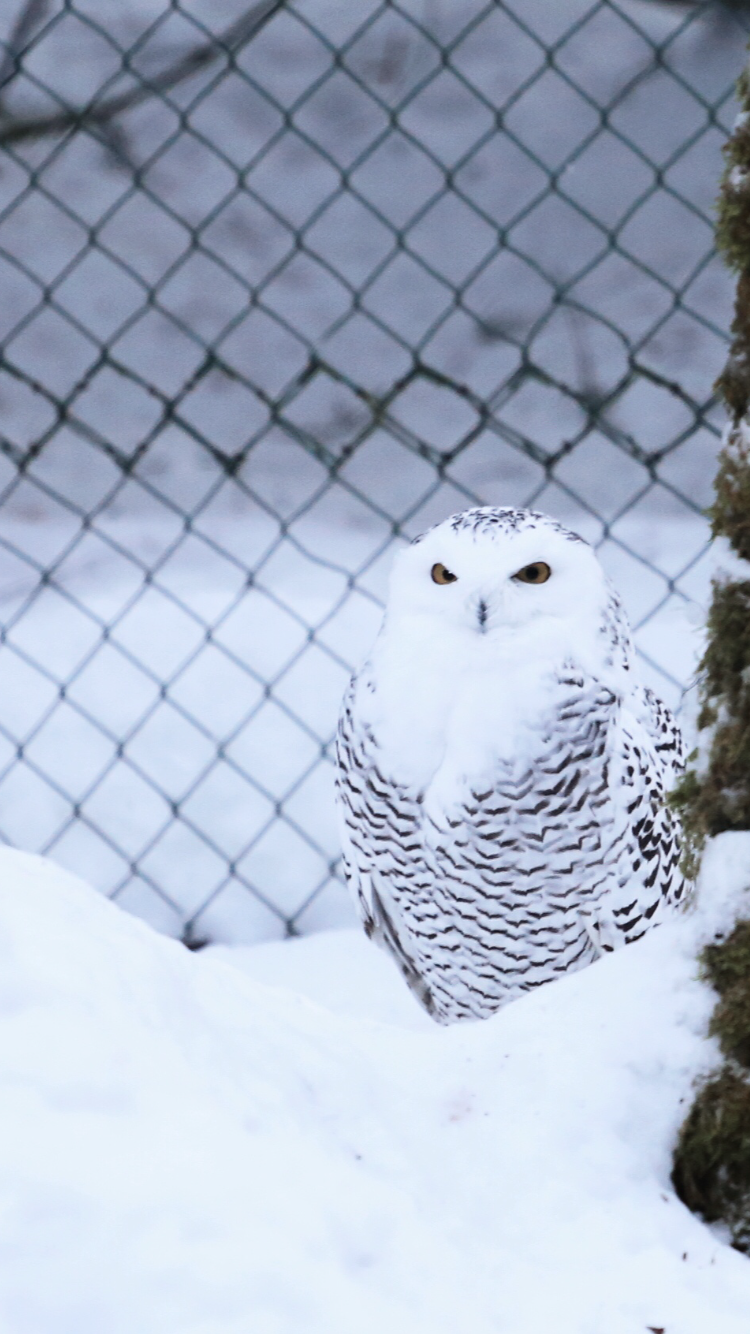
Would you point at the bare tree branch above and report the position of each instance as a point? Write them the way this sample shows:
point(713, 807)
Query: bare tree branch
point(228, 42)
point(29, 17)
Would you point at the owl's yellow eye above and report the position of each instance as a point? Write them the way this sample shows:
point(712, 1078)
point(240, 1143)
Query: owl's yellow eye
point(538, 573)
point(442, 576)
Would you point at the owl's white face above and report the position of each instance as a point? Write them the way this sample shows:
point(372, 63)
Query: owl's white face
point(465, 665)
point(499, 583)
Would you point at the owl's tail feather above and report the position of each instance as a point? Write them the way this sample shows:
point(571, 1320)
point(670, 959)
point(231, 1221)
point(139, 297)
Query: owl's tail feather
point(385, 933)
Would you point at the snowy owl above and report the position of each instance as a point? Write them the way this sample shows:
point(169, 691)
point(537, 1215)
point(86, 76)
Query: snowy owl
point(501, 771)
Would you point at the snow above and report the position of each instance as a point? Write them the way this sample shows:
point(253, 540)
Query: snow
point(728, 567)
point(272, 1139)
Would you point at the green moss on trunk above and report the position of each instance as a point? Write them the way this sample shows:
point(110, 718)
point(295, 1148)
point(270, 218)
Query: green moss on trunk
point(712, 1157)
point(719, 798)
point(727, 962)
point(726, 965)
point(711, 1171)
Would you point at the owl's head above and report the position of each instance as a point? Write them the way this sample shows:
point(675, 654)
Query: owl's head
point(503, 575)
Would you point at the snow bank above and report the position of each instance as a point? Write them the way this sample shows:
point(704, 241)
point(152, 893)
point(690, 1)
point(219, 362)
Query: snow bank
point(189, 1149)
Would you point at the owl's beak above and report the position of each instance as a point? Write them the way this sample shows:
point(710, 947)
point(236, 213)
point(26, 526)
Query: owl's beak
point(482, 614)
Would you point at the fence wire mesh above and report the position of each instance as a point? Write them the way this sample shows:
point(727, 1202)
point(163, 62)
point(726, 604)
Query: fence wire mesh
point(281, 286)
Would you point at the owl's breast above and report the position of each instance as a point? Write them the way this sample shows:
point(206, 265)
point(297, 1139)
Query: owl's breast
point(518, 734)
point(495, 861)
point(443, 722)
point(511, 859)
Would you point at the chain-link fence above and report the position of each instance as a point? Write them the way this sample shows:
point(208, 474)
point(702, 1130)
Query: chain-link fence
point(281, 286)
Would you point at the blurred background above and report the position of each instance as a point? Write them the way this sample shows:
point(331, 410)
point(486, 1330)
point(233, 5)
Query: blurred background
point(283, 284)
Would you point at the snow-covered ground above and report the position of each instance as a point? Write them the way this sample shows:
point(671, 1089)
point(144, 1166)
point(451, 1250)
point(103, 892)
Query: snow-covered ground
point(274, 1139)
point(169, 312)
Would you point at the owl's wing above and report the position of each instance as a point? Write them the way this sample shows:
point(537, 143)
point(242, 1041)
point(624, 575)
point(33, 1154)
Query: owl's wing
point(376, 816)
point(647, 759)
point(354, 745)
